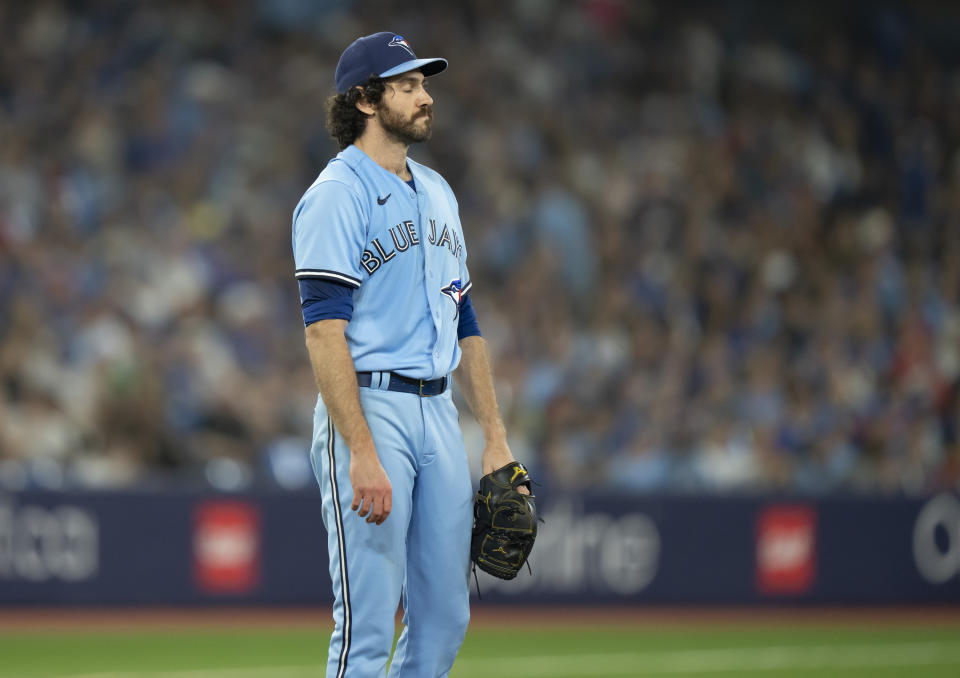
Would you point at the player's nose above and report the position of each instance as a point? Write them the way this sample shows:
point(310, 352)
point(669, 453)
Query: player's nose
point(425, 98)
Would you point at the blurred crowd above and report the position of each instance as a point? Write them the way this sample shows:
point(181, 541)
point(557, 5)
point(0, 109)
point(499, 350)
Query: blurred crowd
point(715, 246)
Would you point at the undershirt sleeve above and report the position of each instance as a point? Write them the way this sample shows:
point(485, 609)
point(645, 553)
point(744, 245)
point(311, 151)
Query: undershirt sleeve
point(325, 299)
point(468, 326)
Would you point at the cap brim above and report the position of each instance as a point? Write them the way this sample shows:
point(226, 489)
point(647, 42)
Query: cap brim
point(426, 66)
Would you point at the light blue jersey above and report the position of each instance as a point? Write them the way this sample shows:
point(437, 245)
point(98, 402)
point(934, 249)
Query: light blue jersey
point(403, 249)
point(403, 252)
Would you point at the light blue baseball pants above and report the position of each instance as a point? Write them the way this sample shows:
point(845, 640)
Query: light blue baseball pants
point(420, 553)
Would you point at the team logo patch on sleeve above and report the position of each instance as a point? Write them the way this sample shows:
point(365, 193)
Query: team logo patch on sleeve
point(455, 291)
point(398, 41)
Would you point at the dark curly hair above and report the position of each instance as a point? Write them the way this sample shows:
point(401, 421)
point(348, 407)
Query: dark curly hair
point(345, 121)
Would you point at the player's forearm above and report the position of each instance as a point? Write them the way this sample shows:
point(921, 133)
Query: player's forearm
point(336, 378)
point(476, 383)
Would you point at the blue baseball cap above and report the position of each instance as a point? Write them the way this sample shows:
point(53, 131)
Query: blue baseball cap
point(382, 54)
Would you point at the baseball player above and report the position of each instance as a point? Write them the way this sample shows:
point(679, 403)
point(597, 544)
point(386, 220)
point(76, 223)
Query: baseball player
point(384, 285)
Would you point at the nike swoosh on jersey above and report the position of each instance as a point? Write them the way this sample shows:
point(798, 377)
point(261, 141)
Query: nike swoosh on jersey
point(383, 200)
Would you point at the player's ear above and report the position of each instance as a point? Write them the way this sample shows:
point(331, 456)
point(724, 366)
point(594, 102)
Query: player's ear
point(363, 104)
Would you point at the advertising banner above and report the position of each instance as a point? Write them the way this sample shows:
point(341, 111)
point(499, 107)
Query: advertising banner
point(270, 548)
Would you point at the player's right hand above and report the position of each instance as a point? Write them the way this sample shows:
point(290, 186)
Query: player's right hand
point(372, 492)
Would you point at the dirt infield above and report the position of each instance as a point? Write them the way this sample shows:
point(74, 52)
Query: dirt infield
point(118, 619)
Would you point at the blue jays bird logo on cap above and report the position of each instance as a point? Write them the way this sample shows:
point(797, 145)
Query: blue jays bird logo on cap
point(398, 41)
point(454, 291)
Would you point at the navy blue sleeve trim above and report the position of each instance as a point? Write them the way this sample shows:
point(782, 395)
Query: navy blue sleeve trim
point(328, 309)
point(325, 299)
point(468, 326)
point(319, 273)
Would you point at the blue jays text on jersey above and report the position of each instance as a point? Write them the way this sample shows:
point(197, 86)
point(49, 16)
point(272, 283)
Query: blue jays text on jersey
point(402, 248)
point(404, 235)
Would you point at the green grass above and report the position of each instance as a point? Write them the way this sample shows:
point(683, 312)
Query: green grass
point(844, 651)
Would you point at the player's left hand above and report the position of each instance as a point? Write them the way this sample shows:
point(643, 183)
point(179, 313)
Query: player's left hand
point(504, 522)
point(497, 455)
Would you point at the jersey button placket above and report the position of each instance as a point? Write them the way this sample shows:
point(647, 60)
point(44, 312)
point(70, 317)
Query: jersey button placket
point(431, 281)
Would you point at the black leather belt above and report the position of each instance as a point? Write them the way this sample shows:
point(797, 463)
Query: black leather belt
point(420, 387)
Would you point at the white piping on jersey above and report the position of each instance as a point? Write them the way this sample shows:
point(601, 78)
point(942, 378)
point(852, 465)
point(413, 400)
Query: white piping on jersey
point(333, 275)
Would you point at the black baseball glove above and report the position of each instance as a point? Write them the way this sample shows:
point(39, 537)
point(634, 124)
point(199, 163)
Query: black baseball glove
point(504, 522)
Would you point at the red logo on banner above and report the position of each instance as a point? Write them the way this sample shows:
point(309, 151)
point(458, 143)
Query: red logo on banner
point(786, 549)
point(226, 546)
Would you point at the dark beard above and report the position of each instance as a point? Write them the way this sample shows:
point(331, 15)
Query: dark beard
point(403, 130)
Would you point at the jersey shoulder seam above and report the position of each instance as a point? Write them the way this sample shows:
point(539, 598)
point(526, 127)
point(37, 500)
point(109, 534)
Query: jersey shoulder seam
point(354, 190)
point(336, 180)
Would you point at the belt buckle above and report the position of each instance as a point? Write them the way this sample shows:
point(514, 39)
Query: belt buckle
point(421, 388)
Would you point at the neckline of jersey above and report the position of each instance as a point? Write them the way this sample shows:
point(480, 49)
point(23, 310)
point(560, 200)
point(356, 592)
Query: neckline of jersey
point(355, 156)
